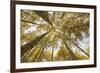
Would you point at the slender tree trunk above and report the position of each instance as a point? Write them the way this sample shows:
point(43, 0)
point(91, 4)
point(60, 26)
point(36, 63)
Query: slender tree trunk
point(52, 53)
point(27, 54)
point(31, 44)
point(43, 54)
point(71, 53)
point(63, 15)
point(80, 49)
point(44, 15)
point(53, 16)
point(29, 22)
point(41, 50)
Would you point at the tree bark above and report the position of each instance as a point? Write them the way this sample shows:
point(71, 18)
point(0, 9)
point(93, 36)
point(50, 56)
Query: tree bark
point(29, 22)
point(52, 53)
point(71, 53)
point(44, 15)
point(31, 44)
point(40, 54)
point(41, 50)
point(63, 15)
point(80, 49)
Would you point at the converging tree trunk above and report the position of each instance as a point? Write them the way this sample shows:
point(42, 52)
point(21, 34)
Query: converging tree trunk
point(71, 53)
point(31, 44)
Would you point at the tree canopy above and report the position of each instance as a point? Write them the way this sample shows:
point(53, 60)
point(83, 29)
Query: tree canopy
point(54, 36)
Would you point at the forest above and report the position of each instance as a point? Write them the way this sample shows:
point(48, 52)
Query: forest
point(47, 36)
